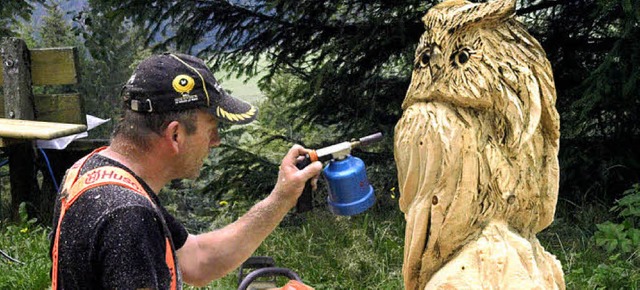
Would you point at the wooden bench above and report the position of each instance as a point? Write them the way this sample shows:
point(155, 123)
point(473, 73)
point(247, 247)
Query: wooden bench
point(25, 117)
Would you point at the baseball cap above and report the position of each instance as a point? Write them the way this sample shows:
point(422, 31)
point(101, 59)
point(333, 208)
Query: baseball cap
point(173, 82)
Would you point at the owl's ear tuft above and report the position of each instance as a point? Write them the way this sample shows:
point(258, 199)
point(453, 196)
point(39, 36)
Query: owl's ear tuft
point(469, 14)
point(497, 10)
point(450, 3)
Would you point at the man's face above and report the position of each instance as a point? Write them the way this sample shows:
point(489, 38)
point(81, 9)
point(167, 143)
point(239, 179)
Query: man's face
point(199, 143)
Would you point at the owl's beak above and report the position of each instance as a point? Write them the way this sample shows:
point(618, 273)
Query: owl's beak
point(423, 92)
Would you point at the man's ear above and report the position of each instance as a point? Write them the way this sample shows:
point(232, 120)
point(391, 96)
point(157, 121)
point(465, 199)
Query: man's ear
point(173, 136)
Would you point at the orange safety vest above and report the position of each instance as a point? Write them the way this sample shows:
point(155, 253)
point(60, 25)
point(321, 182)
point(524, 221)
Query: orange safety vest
point(74, 186)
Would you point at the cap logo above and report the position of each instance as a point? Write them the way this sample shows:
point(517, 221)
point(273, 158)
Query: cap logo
point(183, 84)
point(204, 86)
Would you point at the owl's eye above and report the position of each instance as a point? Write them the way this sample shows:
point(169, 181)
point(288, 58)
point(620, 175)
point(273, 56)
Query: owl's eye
point(423, 59)
point(461, 57)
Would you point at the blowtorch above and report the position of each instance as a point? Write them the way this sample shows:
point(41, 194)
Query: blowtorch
point(350, 192)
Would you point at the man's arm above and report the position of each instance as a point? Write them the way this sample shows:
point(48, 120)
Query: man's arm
point(211, 255)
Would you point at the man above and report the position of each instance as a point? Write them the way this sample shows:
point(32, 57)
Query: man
point(111, 232)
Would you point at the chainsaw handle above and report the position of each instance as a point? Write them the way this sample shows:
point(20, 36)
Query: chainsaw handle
point(269, 271)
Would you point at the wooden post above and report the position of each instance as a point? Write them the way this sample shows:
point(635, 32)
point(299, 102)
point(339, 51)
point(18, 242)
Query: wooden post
point(19, 104)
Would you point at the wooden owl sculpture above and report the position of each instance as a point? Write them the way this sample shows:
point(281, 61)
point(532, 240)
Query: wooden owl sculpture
point(476, 151)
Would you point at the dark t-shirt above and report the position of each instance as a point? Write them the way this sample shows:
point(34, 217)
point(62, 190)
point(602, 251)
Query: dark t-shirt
point(113, 238)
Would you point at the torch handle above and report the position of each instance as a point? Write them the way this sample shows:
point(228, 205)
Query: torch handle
point(305, 201)
point(304, 162)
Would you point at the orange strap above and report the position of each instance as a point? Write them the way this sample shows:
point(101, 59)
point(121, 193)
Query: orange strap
point(74, 187)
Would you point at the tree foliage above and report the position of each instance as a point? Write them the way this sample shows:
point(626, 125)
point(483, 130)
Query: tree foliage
point(107, 52)
point(112, 49)
point(13, 12)
point(347, 58)
point(344, 51)
point(594, 48)
point(353, 60)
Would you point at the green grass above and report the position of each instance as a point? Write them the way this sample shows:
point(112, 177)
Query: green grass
point(28, 243)
point(586, 265)
point(360, 252)
point(334, 252)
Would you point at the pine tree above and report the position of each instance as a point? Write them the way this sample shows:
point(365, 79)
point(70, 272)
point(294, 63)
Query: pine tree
point(353, 60)
point(12, 13)
point(594, 49)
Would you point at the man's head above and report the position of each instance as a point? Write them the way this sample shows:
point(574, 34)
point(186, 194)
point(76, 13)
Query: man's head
point(172, 87)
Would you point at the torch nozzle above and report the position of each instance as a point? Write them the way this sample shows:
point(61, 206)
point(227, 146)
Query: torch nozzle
point(341, 150)
point(367, 140)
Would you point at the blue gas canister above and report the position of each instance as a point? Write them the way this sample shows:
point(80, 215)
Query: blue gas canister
point(350, 192)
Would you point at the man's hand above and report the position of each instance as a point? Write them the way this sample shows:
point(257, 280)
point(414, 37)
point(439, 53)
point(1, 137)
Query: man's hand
point(291, 180)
